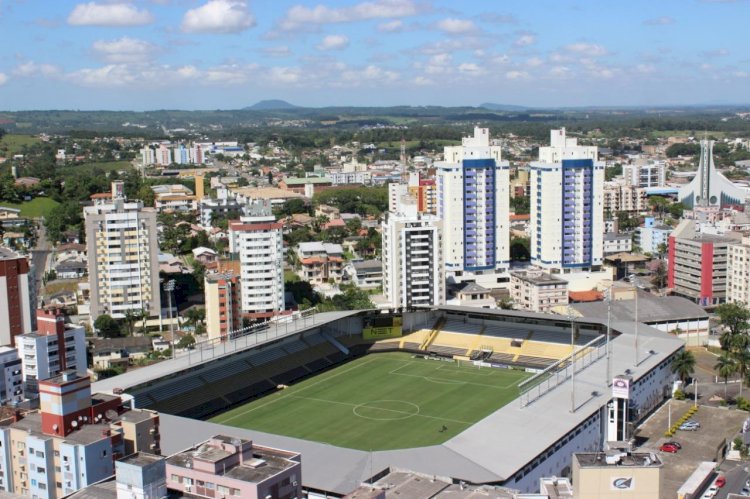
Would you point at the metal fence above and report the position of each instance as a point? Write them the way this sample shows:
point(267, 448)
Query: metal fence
point(535, 387)
point(244, 338)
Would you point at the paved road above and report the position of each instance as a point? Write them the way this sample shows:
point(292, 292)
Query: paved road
point(40, 253)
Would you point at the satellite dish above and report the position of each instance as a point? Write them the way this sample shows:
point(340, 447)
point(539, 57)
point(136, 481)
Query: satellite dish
point(110, 414)
point(74, 424)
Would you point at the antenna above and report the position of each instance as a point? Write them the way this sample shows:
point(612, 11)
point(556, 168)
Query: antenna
point(572, 362)
point(609, 334)
point(635, 324)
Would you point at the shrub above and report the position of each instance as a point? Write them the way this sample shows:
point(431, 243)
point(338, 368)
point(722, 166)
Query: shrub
point(679, 395)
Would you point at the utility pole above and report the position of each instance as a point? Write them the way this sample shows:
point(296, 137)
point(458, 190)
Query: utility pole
point(609, 335)
point(572, 362)
point(168, 288)
point(635, 325)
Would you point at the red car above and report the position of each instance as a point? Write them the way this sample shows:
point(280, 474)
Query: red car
point(720, 481)
point(669, 447)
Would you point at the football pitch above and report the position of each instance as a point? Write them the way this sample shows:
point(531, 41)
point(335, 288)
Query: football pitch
point(382, 401)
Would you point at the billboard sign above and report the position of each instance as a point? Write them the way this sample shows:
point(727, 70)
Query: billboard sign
point(621, 388)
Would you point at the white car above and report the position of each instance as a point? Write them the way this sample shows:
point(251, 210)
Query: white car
point(711, 492)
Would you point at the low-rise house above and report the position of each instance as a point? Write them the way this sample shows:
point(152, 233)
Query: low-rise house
point(471, 295)
point(366, 274)
point(71, 269)
point(108, 352)
point(321, 262)
point(617, 243)
point(174, 197)
point(204, 255)
point(537, 291)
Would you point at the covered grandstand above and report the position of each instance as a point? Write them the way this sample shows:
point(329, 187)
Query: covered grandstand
point(514, 446)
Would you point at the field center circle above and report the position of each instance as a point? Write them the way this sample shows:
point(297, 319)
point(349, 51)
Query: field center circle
point(386, 410)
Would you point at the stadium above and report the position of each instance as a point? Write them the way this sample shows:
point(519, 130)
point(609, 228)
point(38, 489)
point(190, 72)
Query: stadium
point(465, 394)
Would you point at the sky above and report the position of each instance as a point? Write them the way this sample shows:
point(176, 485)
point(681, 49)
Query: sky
point(228, 54)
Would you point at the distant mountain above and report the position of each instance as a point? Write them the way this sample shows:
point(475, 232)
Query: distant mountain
point(271, 105)
point(503, 107)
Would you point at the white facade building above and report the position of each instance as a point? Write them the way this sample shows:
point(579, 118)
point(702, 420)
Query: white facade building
point(53, 348)
point(412, 261)
point(738, 272)
point(474, 204)
point(642, 174)
point(257, 239)
point(567, 216)
point(651, 236)
point(123, 255)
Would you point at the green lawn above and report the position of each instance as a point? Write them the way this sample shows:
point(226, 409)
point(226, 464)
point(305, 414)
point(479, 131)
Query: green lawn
point(107, 166)
point(14, 143)
point(37, 207)
point(382, 401)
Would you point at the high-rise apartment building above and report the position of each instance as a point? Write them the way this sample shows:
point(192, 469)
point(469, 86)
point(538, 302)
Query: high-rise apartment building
point(738, 272)
point(474, 204)
point(567, 216)
point(223, 304)
point(412, 261)
point(256, 238)
point(642, 173)
point(11, 377)
point(123, 255)
point(56, 346)
point(17, 296)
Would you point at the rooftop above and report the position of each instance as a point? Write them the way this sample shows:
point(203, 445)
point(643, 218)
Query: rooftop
point(537, 277)
point(6, 254)
point(604, 460)
point(306, 180)
point(368, 265)
point(141, 459)
point(650, 309)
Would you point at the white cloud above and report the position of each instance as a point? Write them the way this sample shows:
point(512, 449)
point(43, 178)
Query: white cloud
point(31, 68)
point(278, 51)
point(456, 26)
point(533, 62)
point(333, 42)
point(438, 64)
point(218, 16)
point(286, 75)
point(124, 50)
point(645, 68)
point(108, 14)
point(394, 26)
point(741, 74)
point(301, 16)
point(368, 75)
point(659, 21)
point(470, 68)
point(421, 81)
point(111, 75)
point(516, 75)
point(560, 72)
point(589, 49)
point(3, 78)
point(525, 40)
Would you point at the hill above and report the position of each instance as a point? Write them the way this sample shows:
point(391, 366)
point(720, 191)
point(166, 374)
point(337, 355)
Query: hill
point(272, 104)
point(503, 107)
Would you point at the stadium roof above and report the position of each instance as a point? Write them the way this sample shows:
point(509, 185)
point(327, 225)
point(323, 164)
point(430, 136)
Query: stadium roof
point(480, 454)
point(651, 309)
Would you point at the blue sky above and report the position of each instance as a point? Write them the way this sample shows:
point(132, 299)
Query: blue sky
point(227, 54)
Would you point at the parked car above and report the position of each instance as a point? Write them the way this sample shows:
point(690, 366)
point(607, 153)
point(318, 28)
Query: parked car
point(676, 444)
point(668, 447)
point(688, 427)
point(720, 481)
point(711, 492)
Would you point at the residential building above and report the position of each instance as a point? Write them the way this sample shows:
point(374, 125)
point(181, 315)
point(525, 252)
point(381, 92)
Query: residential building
point(474, 205)
point(412, 261)
point(225, 466)
point(56, 346)
point(306, 186)
point(123, 255)
point(174, 198)
point(11, 376)
point(222, 206)
point(17, 296)
point(567, 213)
point(257, 241)
point(366, 274)
point(698, 263)
point(618, 197)
point(347, 177)
point(645, 173)
point(320, 262)
point(223, 304)
point(652, 236)
point(471, 295)
point(163, 155)
point(709, 188)
point(425, 191)
point(537, 291)
point(738, 272)
point(72, 441)
point(615, 242)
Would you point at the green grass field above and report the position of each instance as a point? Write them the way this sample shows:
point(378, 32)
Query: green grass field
point(382, 401)
point(14, 144)
point(87, 168)
point(37, 207)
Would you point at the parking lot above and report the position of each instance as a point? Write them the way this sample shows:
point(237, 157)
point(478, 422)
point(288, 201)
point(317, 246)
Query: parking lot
point(717, 426)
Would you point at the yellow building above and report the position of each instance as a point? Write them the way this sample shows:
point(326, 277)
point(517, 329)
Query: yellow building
point(624, 475)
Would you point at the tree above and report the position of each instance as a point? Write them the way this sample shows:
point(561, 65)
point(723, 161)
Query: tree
point(683, 365)
point(520, 248)
point(660, 275)
point(107, 326)
point(131, 316)
point(195, 316)
point(725, 367)
point(186, 341)
point(742, 359)
point(735, 318)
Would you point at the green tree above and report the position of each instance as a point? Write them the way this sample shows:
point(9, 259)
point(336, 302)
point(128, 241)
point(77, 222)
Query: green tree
point(186, 341)
point(107, 326)
point(725, 367)
point(520, 248)
point(195, 316)
point(683, 365)
point(735, 317)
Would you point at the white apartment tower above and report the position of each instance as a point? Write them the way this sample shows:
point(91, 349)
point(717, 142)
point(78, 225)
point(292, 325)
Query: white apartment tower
point(412, 265)
point(257, 240)
point(473, 202)
point(567, 214)
point(123, 255)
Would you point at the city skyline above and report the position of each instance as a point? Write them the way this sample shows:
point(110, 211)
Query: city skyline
point(229, 54)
